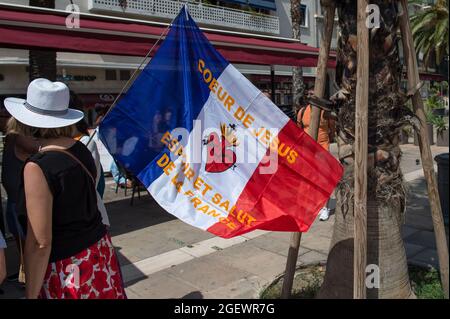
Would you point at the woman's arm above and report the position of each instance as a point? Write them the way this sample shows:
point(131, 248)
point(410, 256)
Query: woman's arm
point(39, 202)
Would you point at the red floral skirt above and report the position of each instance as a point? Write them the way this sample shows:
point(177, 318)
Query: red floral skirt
point(93, 273)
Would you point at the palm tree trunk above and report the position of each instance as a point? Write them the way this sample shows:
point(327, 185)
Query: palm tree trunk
point(42, 62)
point(386, 191)
point(297, 72)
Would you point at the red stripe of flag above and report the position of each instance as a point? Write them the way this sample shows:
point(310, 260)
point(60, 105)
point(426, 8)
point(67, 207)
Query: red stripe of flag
point(289, 199)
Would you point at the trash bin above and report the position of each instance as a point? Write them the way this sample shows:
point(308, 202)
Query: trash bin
point(442, 161)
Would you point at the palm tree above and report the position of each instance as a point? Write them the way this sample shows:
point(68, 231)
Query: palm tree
point(430, 31)
point(386, 190)
point(297, 72)
point(42, 63)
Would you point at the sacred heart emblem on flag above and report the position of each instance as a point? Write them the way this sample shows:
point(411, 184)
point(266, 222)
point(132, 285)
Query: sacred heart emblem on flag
point(220, 150)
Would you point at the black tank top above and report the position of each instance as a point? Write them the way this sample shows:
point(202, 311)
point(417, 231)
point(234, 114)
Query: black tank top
point(77, 223)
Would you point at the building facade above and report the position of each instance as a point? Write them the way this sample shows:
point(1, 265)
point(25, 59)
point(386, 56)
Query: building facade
point(98, 78)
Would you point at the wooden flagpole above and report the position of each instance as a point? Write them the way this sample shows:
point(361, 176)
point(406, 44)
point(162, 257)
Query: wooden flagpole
point(319, 91)
point(361, 149)
point(427, 160)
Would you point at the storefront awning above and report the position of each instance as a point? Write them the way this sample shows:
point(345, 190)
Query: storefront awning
point(27, 29)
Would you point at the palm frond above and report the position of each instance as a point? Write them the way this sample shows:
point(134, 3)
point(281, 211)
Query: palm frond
point(430, 30)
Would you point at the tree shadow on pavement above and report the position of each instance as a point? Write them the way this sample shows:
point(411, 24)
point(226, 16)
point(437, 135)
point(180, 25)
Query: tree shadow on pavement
point(193, 295)
point(144, 213)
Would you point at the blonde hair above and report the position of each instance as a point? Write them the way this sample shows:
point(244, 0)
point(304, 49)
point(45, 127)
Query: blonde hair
point(17, 127)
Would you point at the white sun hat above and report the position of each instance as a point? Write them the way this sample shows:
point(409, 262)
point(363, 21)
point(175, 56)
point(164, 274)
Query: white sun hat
point(46, 106)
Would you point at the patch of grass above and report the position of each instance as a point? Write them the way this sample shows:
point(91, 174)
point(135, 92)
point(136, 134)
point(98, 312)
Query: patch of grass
point(273, 291)
point(308, 283)
point(426, 283)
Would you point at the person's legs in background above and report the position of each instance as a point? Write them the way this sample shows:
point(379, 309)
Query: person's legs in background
point(116, 174)
point(2, 246)
point(119, 177)
point(2, 258)
point(2, 265)
point(16, 229)
point(324, 213)
point(2, 223)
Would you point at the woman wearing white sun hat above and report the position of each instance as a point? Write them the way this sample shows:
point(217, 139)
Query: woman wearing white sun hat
point(58, 195)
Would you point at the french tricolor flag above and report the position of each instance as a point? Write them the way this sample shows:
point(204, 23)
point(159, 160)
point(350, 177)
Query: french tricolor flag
point(211, 148)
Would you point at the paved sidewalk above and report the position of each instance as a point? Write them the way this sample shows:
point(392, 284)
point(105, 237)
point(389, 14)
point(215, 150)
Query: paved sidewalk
point(418, 230)
point(162, 257)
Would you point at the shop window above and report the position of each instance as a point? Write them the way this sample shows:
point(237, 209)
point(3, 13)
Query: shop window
point(125, 75)
point(304, 15)
point(277, 98)
point(110, 75)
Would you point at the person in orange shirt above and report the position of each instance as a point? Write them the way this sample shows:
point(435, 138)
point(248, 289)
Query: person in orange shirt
point(327, 128)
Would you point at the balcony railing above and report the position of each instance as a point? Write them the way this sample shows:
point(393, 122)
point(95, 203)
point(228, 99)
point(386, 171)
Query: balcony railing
point(202, 13)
